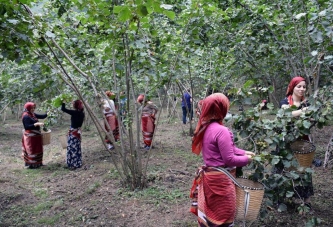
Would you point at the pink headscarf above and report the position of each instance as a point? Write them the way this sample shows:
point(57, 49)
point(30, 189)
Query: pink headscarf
point(27, 110)
point(214, 109)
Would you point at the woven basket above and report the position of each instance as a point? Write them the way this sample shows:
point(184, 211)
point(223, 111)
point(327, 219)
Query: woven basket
point(256, 194)
point(304, 152)
point(63, 141)
point(46, 137)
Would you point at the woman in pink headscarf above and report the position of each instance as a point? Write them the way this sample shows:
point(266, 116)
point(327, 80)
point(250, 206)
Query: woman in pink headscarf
point(213, 192)
point(74, 154)
point(32, 144)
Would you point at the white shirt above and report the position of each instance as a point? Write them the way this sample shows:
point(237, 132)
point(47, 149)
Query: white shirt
point(108, 106)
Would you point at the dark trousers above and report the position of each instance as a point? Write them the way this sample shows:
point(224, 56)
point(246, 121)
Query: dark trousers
point(185, 114)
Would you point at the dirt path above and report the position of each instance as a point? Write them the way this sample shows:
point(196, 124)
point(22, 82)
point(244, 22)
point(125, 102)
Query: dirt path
point(93, 196)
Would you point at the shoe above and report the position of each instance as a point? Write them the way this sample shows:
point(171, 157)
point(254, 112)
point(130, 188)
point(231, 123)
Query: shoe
point(110, 147)
point(317, 162)
point(147, 147)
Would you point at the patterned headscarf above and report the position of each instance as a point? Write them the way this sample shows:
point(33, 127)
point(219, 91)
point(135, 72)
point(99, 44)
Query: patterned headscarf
point(293, 83)
point(214, 109)
point(140, 98)
point(78, 105)
point(27, 110)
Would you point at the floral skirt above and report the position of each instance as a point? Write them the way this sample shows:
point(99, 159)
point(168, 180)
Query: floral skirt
point(74, 154)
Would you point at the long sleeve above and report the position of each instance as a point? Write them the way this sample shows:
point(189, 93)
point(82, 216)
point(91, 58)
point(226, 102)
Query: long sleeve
point(28, 123)
point(41, 116)
point(231, 155)
point(218, 148)
point(64, 109)
point(77, 117)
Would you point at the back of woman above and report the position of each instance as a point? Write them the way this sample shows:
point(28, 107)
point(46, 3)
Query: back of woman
point(213, 192)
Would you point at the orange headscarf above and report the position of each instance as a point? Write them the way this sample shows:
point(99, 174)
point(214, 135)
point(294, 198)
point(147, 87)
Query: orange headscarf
point(109, 94)
point(293, 83)
point(214, 109)
point(140, 98)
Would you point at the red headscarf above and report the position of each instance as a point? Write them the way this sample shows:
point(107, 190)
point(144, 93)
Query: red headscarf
point(293, 83)
point(78, 105)
point(27, 110)
point(214, 109)
point(140, 98)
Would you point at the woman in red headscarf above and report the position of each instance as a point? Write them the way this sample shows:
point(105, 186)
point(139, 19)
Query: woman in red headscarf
point(74, 154)
point(213, 192)
point(295, 96)
point(32, 144)
point(147, 120)
point(109, 111)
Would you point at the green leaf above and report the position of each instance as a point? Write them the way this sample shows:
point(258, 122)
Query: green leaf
point(275, 160)
point(118, 9)
point(268, 140)
point(248, 84)
point(50, 34)
point(125, 14)
point(300, 15)
point(169, 14)
point(306, 124)
point(142, 10)
point(289, 194)
point(282, 207)
point(57, 102)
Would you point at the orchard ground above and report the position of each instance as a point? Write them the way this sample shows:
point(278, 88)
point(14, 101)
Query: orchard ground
point(93, 195)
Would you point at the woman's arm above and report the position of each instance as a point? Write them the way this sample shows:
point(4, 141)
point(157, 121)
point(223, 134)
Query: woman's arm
point(31, 124)
point(41, 116)
point(70, 112)
point(228, 150)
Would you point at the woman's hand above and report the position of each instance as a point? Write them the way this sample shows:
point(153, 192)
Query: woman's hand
point(38, 124)
point(249, 153)
point(305, 109)
point(250, 157)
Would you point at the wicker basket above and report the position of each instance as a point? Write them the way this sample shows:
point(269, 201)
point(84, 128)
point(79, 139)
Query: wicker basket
point(63, 141)
point(255, 191)
point(46, 137)
point(304, 152)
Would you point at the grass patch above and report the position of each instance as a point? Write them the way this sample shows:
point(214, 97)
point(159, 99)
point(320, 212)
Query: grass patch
point(41, 193)
point(92, 188)
point(43, 206)
point(156, 195)
point(49, 220)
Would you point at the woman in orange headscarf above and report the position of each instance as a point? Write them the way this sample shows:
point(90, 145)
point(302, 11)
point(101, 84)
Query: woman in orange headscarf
point(213, 192)
point(147, 120)
point(109, 111)
point(32, 144)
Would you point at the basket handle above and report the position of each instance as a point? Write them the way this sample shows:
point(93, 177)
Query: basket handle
point(247, 193)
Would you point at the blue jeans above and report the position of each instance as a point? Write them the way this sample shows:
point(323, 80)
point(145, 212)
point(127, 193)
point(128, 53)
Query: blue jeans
point(185, 113)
